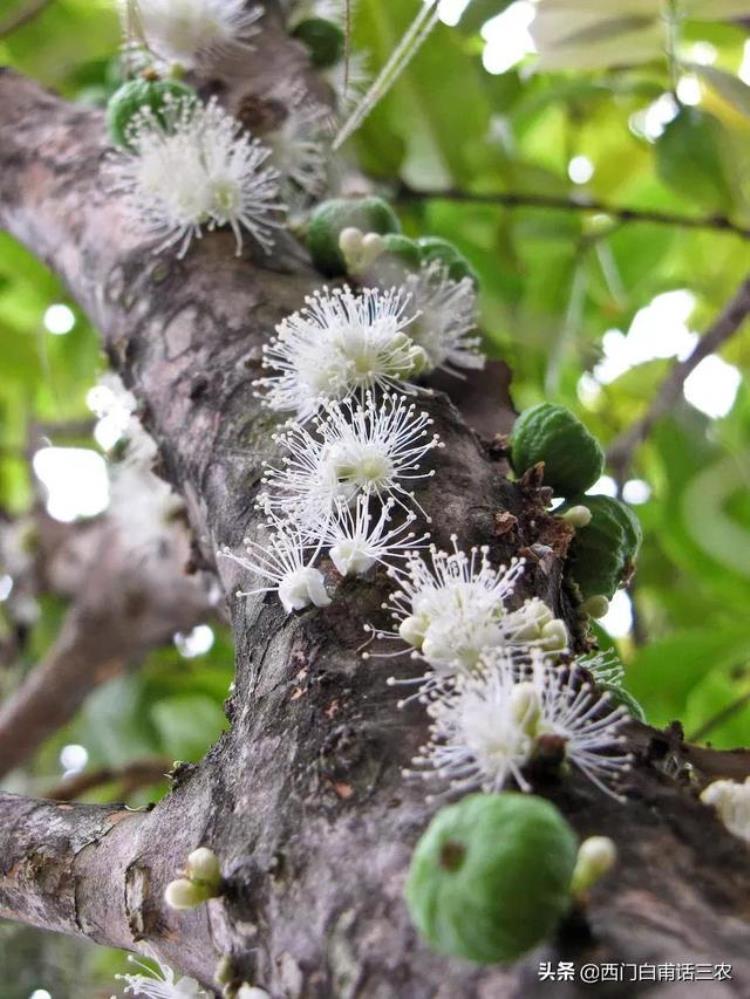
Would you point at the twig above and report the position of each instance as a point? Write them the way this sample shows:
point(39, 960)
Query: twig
point(518, 199)
point(131, 777)
point(720, 717)
point(23, 16)
point(621, 451)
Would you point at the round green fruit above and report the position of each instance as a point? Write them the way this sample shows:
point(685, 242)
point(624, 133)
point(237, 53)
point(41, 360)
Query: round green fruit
point(324, 39)
point(330, 217)
point(490, 878)
point(458, 267)
point(573, 458)
point(137, 95)
point(603, 552)
point(399, 258)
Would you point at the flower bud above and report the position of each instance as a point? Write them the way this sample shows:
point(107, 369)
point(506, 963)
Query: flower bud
point(203, 867)
point(578, 516)
point(183, 894)
point(351, 244)
point(596, 605)
point(412, 630)
point(596, 856)
point(554, 636)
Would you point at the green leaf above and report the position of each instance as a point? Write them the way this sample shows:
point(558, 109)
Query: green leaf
point(727, 85)
point(188, 725)
point(692, 157)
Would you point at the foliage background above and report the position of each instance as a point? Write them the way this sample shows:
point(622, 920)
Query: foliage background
point(555, 283)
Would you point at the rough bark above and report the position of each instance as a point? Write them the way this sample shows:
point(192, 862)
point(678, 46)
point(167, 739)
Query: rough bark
point(303, 798)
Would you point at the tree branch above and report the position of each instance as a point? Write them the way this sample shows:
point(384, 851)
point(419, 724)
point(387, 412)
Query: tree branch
point(131, 777)
point(313, 905)
point(127, 602)
point(622, 449)
point(22, 17)
point(581, 203)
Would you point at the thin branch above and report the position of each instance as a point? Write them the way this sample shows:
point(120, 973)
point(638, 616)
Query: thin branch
point(131, 777)
point(549, 202)
point(729, 321)
point(23, 17)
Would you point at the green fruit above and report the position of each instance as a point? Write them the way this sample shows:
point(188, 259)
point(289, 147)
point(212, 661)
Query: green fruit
point(324, 39)
point(135, 96)
point(330, 217)
point(603, 552)
point(458, 267)
point(490, 878)
point(400, 257)
point(573, 459)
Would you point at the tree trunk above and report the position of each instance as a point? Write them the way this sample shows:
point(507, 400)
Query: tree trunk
point(302, 798)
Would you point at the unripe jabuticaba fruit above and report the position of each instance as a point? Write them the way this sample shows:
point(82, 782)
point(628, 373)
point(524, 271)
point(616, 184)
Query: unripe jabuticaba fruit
point(458, 267)
point(573, 458)
point(324, 39)
point(602, 554)
point(137, 95)
point(490, 878)
point(399, 258)
point(330, 217)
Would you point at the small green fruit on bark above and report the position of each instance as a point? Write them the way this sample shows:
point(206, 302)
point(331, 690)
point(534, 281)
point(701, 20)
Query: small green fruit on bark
point(490, 878)
point(433, 248)
point(573, 458)
point(369, 215)
point(137, 95)
point(602, 553)
point(324, 39)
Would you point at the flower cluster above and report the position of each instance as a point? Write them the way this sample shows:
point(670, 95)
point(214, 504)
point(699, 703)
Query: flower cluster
point(516, 709)
point(341, 344)
point(345, 474)
point(195, 168)
point(192, 32)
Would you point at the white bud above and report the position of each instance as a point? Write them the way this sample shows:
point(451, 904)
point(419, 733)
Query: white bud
point(578, 516)
point(596, 856)
point(203, 866)
point(412, 630)
point(596, 605)
point(373, 246)
point(525, 706)
point(251, 992)
point(350, 244)
point(554, 636)
point(533, 616)
point(183, 894)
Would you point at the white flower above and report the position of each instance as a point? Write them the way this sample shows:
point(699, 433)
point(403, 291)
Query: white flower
point(446, 322)
point(285, 560)
point(481, 734)
point(161, 983)
point(193, 31)
point(200, 171)
point(375, 448)
point(732, 801)
point(573, 710)
point(299, 146)
point(489, 726)
point(338, 345)
point(358, 540)
point(348, 82)
point(453, 607)
point(143, 504)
